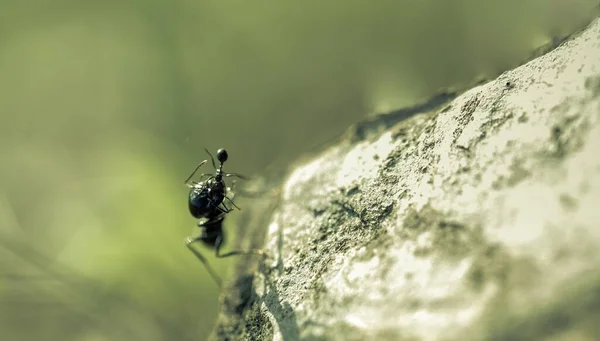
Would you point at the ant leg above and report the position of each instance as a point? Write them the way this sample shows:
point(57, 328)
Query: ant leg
point(191, 184)
point(219, 243)
point(232, 188)
point(257, 194)
point(227, 175)
point(231, 201)
point(224, 210)
point(209, 269)
point(194, 172)
point(232, 191)
point(250, 194)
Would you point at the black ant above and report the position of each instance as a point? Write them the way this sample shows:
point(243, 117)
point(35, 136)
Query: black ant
point(207, 201)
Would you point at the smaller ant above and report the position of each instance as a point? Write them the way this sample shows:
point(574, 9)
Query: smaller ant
point(207, 201)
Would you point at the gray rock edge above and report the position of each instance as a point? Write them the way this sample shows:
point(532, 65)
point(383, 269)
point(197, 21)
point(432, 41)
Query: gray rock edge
point(478, 221)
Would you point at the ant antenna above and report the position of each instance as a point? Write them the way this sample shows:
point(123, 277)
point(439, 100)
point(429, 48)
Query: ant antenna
point(194, 172)
point(211, 159)
point(222, 156)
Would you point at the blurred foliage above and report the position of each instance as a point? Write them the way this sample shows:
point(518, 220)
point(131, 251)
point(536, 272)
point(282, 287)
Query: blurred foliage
point(105, 107)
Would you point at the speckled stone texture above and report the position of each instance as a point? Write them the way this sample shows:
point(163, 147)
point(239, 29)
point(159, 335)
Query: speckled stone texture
point(476, 221)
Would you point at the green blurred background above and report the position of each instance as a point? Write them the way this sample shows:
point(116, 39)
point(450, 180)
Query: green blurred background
point(106, 106)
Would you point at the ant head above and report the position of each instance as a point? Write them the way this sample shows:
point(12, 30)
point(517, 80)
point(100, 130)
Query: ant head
point(222, 155)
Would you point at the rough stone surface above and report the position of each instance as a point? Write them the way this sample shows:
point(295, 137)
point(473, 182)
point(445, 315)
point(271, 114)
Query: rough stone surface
point(477, 221)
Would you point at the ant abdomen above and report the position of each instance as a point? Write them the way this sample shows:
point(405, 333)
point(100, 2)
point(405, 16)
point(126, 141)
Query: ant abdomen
point(206, 199)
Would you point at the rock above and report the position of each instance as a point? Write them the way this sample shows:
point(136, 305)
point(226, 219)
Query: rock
point(479, 221)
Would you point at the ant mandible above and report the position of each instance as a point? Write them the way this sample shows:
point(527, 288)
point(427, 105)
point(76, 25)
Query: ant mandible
point(207, 201)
